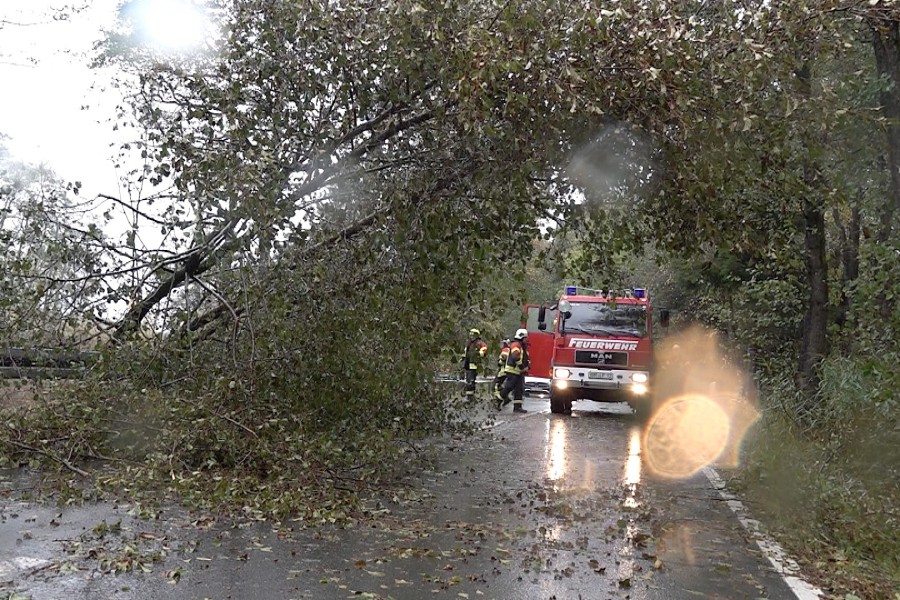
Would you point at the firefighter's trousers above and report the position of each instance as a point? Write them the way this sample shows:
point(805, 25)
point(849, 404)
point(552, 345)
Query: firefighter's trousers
point(497, 386)
point(471, 376)
point(515, 383)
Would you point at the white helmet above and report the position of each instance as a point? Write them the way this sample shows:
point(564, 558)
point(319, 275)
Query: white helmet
point(521, 334)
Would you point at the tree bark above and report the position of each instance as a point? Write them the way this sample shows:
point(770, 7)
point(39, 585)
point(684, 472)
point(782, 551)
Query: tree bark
point(814, 338)
point(814, 343)
point(886, 44)
point(848, 255)
point(199, 260)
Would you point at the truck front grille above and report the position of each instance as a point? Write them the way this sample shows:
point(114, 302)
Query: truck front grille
point(599, 357)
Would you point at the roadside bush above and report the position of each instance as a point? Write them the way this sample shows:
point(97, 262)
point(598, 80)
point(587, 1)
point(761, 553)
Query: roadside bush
point(830, 490)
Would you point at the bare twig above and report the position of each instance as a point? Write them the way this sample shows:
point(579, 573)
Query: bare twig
point(223, 417)
point(49, 455)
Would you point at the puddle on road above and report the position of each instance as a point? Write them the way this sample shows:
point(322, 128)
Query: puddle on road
point(555, 455)
point(632, 477)
point(50, 550)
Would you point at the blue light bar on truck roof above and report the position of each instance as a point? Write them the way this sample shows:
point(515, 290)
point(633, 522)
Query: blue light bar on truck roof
point(571, 290)
point(640, 293)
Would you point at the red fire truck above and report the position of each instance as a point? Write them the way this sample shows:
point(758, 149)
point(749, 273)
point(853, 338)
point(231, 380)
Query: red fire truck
point(597, 347)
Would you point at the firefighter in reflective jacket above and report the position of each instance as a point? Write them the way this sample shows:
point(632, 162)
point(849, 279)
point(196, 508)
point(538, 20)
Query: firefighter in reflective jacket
point(476, 350)
point(501, 370)
point(516, 366)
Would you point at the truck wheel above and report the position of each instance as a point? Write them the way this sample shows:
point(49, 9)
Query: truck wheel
point(642, 408)
point(560, 403)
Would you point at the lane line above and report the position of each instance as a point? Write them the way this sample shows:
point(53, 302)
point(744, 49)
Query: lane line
point(783, 564)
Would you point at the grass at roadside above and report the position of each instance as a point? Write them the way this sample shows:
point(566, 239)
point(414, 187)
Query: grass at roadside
point(829, 491)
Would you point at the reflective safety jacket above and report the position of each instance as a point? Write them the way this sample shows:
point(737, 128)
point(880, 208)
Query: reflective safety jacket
point(517, 362)
point(476, 350)
point(504, 354)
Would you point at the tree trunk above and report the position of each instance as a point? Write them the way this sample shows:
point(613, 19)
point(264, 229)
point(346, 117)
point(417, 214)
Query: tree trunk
point(814, 343)
point(814, 340)
point(886, 43)
point(848, 256)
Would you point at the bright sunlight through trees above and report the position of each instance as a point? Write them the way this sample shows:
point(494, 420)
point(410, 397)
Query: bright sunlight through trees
point(168, 25)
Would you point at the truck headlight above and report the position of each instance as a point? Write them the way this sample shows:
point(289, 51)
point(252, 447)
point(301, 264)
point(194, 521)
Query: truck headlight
point(562, 373)
point(639, 389)
point(639, 378)
point(561, 384)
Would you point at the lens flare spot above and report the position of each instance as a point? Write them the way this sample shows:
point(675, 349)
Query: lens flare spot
point(168, 25)
point(686, 434)
point(677, 544)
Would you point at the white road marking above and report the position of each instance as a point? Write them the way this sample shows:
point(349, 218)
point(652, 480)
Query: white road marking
point(783, 564)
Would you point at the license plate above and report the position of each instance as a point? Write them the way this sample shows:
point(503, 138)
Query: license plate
point(599, 375)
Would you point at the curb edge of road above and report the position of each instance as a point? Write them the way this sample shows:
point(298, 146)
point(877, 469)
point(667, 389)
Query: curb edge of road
point(785, 566)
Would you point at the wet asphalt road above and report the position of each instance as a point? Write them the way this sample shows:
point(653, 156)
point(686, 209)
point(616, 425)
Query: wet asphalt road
point(537, 506)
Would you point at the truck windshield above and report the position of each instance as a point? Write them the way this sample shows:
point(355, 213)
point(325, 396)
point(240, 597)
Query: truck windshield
point(628, 320)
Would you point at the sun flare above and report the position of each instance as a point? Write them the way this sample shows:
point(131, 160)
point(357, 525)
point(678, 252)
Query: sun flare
point(169, 25)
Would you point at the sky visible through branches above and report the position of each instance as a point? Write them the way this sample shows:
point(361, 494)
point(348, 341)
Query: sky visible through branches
point(56, 110)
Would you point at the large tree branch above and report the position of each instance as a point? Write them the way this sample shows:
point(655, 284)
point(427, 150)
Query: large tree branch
point(200, 260)
point(207, 320)
point(197, 261)
point(344, 234)
point(326, 176)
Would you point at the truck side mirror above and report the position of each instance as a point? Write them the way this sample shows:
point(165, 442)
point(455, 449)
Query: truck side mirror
point(542, 326)
point(542, 314)
point(664, 317)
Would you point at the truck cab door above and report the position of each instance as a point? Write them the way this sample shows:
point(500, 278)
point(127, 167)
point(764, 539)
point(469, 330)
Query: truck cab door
point(540, 343)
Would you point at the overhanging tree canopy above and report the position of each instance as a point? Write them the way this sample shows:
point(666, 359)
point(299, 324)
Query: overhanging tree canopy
point(346, 174)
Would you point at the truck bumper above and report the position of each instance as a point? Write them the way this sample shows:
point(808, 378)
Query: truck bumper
point(601, 384)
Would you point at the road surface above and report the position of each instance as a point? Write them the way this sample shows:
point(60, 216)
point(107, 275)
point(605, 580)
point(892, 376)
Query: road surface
point(536, 506)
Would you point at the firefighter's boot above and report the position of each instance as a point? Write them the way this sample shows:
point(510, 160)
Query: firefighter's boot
point(517, 407)
point(470, 387)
